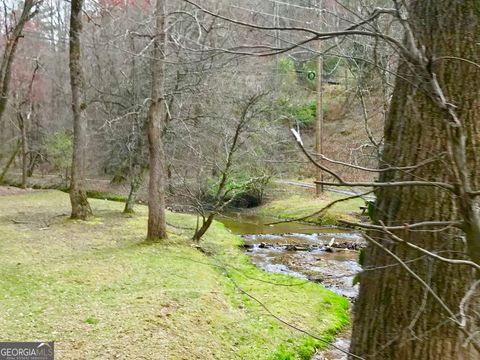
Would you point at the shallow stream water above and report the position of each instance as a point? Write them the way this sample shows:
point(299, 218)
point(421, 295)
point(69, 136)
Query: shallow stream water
point(325, 255)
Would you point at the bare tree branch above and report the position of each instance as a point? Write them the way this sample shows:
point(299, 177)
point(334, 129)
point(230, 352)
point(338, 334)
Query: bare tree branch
point(323, 209)
point(341, 182)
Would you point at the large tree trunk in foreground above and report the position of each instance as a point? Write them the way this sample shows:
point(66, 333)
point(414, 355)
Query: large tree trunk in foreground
point(157, 226)
point(78, 196)
point(395, 316)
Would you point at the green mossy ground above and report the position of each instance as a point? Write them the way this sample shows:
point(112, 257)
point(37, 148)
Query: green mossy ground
point(302, 203)
point(101, 292)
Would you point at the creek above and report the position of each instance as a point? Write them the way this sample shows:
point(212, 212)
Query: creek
point(324, 255)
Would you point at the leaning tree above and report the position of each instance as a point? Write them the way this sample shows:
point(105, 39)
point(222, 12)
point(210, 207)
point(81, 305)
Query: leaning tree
point(13, 34)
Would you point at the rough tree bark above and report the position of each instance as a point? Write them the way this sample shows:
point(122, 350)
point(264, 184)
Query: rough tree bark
point(395, 316)
point(78, 196)
point(157, 226)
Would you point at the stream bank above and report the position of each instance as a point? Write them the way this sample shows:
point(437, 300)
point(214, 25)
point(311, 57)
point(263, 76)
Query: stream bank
point(324, 255)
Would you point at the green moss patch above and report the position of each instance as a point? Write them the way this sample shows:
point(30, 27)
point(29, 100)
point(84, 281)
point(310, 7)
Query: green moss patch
point(101, 292)
point(299, 205)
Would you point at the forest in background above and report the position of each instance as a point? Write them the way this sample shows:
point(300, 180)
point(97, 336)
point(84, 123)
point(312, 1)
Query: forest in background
point(193, 105)
point(208, 90)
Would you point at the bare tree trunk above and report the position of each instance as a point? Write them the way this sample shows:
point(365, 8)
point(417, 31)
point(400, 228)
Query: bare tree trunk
point(319, 121)
point(78, 196)
point(10, 49)
point(10, 161)
point(135, 183)
point(23, 127)
point(138, 165)
point(396, 317)
point(203, 229)
point(28, 165)
point(33, 162)
point(157, 226)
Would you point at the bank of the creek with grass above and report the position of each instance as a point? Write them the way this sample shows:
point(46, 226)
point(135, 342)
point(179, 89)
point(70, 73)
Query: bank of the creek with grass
point(301, 204)
point(101, 292)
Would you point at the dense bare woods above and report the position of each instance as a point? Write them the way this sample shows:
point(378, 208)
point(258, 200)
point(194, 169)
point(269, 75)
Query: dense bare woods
point(191, 104)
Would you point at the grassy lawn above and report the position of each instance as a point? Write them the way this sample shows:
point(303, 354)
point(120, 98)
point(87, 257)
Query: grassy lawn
point(101, 292)
point(298, 203)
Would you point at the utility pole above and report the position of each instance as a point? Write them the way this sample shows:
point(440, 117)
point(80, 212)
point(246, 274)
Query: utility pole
point(276, 77)
point(319, 112)
point(276, 24)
